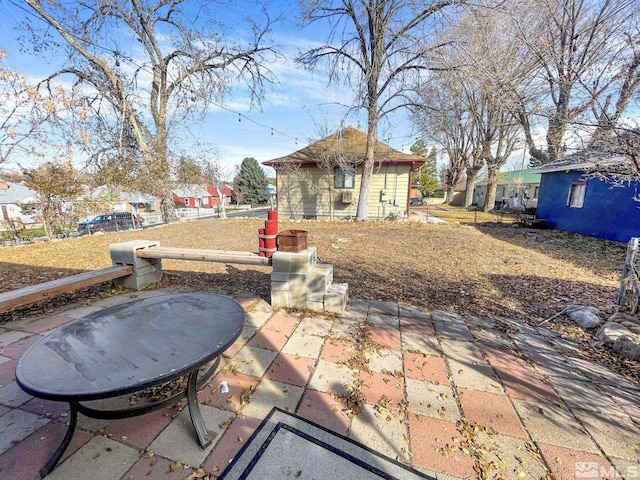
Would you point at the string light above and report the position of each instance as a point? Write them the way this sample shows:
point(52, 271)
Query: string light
point(145, 68)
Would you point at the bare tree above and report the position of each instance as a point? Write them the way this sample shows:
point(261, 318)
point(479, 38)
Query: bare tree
point(213, 174)
point(587, 59)
point(181, 60)
point(23, 112)
point(442, 118)
point(501, 135)
point(375, 46)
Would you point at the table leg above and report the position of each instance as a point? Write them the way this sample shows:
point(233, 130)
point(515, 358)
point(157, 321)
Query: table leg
point(194, 410)
point(50, 465)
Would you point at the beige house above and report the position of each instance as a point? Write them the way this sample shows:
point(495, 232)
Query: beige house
point(322, 180)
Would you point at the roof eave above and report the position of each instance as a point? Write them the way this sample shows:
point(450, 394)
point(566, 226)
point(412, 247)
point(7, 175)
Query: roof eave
point(276, 163)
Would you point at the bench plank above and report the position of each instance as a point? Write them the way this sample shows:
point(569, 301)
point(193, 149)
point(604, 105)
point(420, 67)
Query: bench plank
point(44, 291)
point(221, 256)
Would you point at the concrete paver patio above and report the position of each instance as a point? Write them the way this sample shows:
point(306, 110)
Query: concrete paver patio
point(451, 397)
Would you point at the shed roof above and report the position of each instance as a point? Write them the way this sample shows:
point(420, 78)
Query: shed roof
point(583, 160)
point(104, 192)
point(350, 144)
point(191, 191)
point(14, 192)
point(515, 177)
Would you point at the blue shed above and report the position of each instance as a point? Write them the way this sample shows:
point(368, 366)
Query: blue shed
point(573, 200)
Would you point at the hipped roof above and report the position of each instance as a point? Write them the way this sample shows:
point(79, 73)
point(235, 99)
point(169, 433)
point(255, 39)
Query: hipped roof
point(349, 143)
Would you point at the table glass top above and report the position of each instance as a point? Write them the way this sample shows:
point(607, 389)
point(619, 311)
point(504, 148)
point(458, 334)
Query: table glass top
point(130, 346)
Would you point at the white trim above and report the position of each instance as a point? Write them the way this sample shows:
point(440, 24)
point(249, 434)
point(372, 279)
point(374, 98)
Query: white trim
point(575, 198)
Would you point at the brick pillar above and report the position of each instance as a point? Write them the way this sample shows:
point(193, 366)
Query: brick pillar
point(145, 271)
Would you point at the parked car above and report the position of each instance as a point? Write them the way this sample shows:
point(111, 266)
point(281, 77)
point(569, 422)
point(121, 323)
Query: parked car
point(111, 222)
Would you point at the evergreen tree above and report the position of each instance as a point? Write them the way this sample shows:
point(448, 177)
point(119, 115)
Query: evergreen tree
point(251, 182)
point(420, 149)
point(427, 175)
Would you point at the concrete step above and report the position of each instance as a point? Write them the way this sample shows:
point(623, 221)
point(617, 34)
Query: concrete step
point(336, 297)
point(320, 278)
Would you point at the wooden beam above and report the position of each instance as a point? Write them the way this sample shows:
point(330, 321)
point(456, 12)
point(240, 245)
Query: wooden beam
point(44, 291)
point(220, 256)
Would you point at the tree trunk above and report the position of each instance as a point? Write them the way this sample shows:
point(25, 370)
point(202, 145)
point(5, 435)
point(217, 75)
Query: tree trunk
point(492, 185)
point(222, 213)
point(367, 167)
point(555, 135)
point(449, 194)
point(540, 157)
point(472, 174)
point(167, 205)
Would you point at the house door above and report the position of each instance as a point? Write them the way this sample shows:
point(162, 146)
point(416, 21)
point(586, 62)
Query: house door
point(5, 214)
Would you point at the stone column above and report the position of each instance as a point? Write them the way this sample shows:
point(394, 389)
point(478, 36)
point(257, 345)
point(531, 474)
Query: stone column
point(145, 270)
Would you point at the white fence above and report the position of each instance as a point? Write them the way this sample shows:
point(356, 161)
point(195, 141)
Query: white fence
point(196, 212)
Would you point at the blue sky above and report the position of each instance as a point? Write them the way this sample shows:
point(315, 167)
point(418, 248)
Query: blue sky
point(288, 117)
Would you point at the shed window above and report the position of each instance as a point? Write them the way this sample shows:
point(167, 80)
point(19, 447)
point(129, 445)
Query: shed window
point(343, 179)
point(576, 195)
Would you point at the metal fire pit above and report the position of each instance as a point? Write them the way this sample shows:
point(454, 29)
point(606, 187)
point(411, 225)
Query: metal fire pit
point(292, 240)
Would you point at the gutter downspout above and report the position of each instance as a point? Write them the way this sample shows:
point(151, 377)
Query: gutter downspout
point(409, 190)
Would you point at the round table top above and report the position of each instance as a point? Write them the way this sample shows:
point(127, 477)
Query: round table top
point(130, 347)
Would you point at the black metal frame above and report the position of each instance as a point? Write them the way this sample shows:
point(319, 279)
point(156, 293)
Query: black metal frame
point(194, 383)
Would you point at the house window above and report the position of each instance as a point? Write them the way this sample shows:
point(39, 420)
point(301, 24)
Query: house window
point(343, 179)
point(205, 200)
point(186, 202)
point(576, 195)
point(535, 192)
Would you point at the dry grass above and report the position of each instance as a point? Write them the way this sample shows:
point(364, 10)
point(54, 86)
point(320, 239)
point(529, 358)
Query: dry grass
point(477, 269)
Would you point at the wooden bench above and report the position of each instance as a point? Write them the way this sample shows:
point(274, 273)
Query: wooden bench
point(44, 291)
point(202, 255)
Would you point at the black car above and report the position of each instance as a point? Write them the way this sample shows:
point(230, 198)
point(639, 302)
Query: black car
point(111, 222)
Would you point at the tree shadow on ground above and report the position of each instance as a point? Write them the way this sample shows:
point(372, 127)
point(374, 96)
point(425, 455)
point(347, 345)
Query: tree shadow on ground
point(504, 295)
point(549, 294)
point(38, 275)
point(597, 255)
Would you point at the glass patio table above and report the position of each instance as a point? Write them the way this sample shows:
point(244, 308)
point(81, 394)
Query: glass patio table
point(125, 349)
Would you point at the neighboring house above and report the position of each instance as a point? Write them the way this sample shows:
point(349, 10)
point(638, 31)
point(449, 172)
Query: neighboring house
point(322, 180)
point(106, 199)
point(193, 196)
point(574, 201)
point(517, 190)
point(12, 197)
point(215, 199)
point(459, 193)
